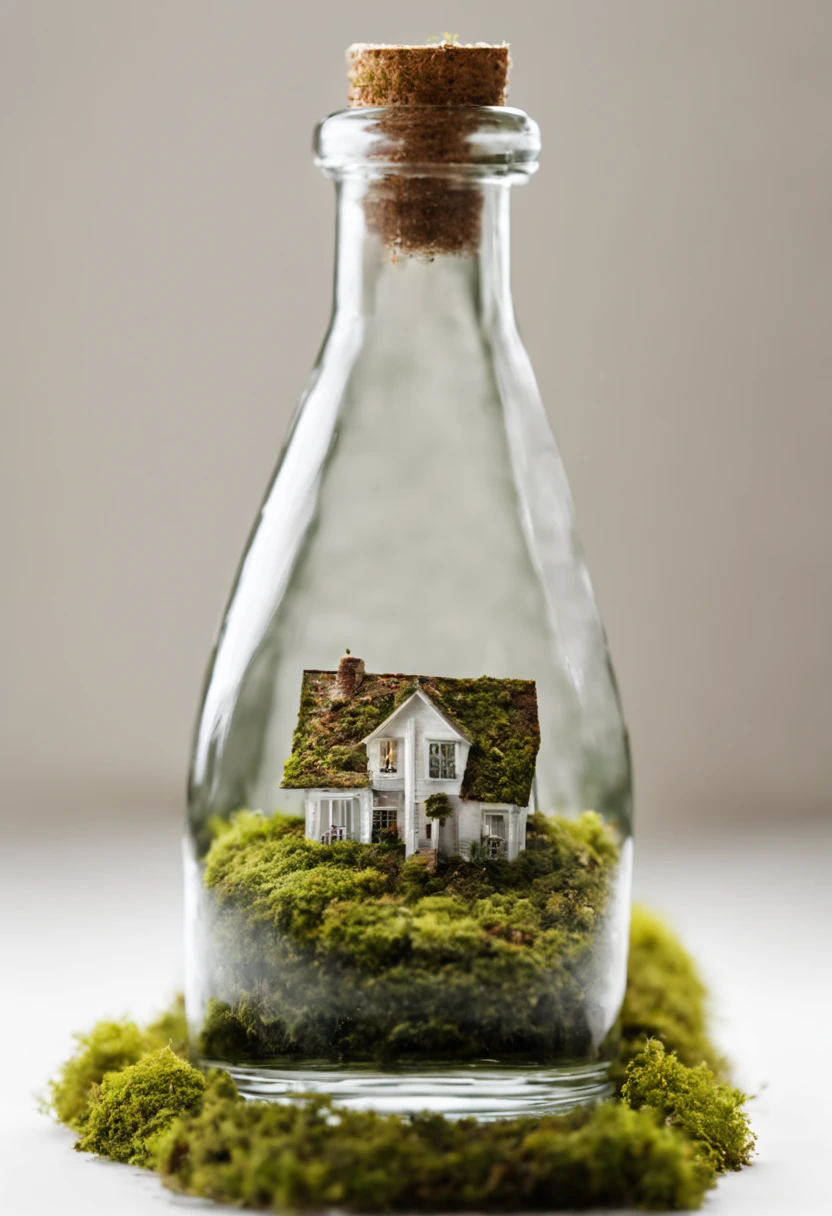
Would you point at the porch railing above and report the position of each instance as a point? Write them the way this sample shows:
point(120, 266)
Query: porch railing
point(334, 833)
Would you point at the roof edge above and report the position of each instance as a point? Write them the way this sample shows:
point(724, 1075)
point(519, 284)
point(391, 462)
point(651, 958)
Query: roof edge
point(418, 692)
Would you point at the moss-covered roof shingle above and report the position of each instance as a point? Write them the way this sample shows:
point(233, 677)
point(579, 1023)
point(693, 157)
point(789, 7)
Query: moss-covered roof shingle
point(499, 716)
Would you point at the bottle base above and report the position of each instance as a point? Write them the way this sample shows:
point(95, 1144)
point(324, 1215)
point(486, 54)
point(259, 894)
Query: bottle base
point(481, 1091)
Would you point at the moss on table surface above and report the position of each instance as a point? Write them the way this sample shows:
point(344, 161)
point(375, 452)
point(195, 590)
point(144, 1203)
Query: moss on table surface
point(108, 1048)
point(318, 1156)
point(351, 952)
point(133, 1106)
point(665, 998)
point(659, 1147)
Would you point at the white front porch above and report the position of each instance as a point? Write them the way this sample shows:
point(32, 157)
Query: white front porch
point(373, 814)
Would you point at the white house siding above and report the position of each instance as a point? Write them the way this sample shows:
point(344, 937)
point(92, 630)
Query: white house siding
point(427, 725)
point(470, 818)
point(414, 726)
point(410, 835)
point(465, 826)
point(467, 821)
point(366, 816)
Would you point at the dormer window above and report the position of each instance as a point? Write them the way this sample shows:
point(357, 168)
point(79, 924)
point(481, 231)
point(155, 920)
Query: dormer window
point(442, 761)
point(388, 755)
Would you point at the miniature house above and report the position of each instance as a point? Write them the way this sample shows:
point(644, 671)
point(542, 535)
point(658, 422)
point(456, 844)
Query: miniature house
point(371, 750)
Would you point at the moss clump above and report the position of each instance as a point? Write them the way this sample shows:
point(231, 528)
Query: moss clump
point(132, 1107)
point(351, 952)
point(692, 1099)
point(169, 1029)
point(666, 998)
point(109, 1047)
point(315, 1156)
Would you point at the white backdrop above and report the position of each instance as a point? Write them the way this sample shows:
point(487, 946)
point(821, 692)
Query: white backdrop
point(166, 250)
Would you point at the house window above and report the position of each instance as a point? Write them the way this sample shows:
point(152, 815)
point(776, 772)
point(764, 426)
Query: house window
point(388, 755)
point(442, 761)
point(495, 825)
point(386, 811)
point(495, 836)
point(339, 819)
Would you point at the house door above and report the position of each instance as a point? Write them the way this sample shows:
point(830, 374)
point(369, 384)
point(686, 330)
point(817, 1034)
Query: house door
point(387, 814)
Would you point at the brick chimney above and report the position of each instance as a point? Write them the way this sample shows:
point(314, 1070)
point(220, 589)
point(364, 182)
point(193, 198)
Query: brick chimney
point(350, 675)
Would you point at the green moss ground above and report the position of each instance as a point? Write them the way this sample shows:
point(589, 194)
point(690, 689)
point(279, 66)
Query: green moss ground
point(660, 1147)
point(350, 952)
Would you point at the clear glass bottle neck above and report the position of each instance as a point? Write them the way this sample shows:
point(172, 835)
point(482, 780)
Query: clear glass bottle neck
point(370, 272)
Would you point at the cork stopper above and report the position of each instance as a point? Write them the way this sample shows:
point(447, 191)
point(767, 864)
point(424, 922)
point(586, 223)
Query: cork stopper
point(446, 74)
point(427, 92)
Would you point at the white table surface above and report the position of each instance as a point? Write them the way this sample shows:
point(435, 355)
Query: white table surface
point(90, 924)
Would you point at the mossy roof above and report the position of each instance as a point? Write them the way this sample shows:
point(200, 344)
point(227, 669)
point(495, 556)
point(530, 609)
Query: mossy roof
point(498, 716)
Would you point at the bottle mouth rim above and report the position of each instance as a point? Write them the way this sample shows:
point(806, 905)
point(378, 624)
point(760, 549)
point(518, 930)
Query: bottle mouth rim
point(470, 141)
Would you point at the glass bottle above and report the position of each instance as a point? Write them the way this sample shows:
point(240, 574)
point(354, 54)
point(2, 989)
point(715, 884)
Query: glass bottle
point(419, 515)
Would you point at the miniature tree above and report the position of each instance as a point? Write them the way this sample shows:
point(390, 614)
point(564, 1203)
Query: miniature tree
point(438, 806)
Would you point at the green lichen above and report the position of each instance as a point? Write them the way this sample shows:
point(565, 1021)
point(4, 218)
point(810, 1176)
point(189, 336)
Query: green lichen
point(498, 716)
point(131, 1107)
point(692, 1099)
point(352, 952)
point(110, 1047)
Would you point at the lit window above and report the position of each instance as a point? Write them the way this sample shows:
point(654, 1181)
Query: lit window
point(442, 761)
point(387, 755)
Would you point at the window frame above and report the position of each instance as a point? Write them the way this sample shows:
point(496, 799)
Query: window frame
point(491, 815)
point(387, 805)
point(496, 846)
point(437, 742)
point(350, 815)
point(393, 742)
